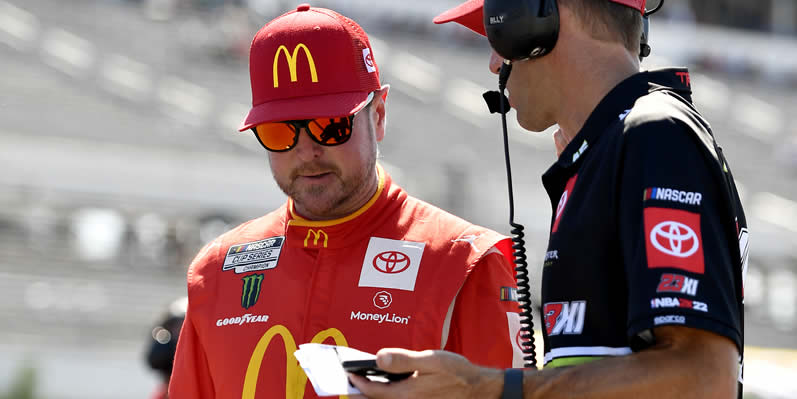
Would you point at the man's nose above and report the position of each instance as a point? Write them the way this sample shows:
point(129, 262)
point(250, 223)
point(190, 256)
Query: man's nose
point(306, 148)
point(495, 62)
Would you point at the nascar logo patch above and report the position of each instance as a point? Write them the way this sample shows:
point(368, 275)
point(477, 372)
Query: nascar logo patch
point(254, 256)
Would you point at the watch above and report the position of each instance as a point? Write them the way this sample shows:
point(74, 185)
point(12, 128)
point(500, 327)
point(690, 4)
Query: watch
point(513, 384)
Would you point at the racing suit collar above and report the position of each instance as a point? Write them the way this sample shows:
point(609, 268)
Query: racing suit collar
point(342, 232)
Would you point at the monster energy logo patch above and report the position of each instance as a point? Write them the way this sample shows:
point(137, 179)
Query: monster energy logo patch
point(251, 290)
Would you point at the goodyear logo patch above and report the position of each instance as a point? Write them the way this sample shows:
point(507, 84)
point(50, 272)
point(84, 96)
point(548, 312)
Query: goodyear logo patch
point(254, 256)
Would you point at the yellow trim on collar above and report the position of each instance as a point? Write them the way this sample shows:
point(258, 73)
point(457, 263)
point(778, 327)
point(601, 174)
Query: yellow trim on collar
point(300, 221)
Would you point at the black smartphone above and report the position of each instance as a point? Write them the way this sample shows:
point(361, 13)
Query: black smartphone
point(368, 368)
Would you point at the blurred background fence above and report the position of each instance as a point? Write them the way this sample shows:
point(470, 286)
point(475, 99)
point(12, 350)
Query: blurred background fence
point(119, 159)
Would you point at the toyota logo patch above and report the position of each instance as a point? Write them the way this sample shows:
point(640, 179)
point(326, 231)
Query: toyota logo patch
point(391, 262)
point(674, 238)
point(369, 60)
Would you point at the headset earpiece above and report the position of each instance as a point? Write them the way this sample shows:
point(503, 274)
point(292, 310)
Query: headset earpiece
point(521, 29)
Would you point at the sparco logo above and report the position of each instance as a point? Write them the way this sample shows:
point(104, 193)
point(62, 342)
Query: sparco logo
point(674, 238)
point(669, 319)
point(391, 262)
point(383, 299)
point(241, 320)
point(381, 318)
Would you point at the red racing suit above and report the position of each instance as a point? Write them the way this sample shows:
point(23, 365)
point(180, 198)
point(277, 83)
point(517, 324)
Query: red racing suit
point(396, 273)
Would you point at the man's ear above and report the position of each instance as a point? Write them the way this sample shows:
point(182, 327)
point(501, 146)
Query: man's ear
point(380, 112)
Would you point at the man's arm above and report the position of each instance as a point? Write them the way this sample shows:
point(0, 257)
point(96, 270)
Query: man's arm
point(683, 363)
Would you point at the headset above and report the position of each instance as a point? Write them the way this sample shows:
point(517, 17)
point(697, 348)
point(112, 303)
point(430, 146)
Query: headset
point(520, 30)
point(525, 29)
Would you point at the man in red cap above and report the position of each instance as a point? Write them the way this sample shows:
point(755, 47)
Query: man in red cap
point(351, 259)
point(642, 284)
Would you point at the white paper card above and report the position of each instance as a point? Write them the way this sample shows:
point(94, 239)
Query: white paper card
point(322, 364)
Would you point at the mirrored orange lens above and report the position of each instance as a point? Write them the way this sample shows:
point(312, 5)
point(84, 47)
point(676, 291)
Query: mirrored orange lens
point(330, 131)
point(276, 136)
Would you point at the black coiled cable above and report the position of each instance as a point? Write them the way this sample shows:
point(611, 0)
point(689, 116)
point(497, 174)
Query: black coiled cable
point(519, 244)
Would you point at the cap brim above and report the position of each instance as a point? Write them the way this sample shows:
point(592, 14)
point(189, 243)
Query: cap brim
point(469, 14)
point(328, 105)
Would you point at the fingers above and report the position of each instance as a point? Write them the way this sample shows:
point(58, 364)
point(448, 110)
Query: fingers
point(397, 360)
point(376, 390)
point(438, 374)
point(560, 141)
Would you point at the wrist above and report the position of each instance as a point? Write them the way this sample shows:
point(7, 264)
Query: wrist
point(488, 384)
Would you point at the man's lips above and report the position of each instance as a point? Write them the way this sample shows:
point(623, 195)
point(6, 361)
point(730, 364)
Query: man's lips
point(315, 175)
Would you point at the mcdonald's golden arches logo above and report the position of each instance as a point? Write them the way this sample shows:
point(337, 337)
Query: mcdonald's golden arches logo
point(316, 235)
point(291, 58)
point(295, 378)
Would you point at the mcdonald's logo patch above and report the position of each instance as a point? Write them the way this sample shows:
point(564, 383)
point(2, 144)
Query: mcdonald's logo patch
point(250, 292)
point(314, 238)
point(291, 57)
point(295, 378)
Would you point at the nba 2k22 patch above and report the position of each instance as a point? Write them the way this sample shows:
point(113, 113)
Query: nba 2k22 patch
point(254, 256)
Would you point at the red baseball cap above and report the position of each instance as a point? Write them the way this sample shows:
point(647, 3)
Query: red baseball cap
point(470, 14)
point(309, 63)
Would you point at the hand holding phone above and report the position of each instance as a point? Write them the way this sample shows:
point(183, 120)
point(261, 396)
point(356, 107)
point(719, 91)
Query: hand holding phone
point(368, 368)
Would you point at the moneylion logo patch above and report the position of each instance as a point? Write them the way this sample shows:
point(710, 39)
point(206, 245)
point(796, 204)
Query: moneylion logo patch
point(251, 290)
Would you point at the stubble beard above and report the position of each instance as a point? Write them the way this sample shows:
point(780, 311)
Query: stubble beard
point(328, 200)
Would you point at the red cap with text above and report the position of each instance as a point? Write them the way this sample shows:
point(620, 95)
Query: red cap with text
point(470, 14)
point(309, 63)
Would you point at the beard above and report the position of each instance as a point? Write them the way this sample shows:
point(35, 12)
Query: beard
point(330, 199)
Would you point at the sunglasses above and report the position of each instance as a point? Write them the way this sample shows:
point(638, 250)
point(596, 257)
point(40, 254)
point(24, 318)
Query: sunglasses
point(282, 136)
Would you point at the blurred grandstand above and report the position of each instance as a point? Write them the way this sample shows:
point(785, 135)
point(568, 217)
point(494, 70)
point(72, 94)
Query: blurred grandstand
point(119, 159)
